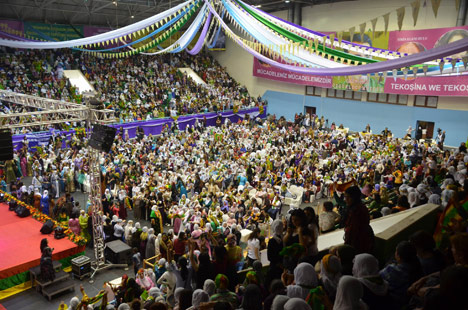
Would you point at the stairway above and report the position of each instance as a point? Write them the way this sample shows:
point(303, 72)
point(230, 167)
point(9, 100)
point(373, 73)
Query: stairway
point(61, 283)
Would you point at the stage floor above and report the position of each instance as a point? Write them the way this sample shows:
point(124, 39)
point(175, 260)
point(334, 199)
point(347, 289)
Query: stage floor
point(20, 240)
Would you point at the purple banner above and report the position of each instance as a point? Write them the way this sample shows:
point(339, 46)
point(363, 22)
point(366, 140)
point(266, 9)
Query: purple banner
point(89, 31)
point(153, 127)
point(12, 27)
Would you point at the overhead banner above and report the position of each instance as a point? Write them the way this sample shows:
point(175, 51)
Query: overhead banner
point(11, 27)
point(53, 32)
point(410, 42)
point(429, 86)
point(267, 71)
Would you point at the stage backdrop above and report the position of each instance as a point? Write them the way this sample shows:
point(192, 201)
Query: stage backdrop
point(410, 42)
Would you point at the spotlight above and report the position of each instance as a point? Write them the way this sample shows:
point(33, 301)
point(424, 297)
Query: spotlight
point(286, 1)
point(114, 3)
point(132, 16)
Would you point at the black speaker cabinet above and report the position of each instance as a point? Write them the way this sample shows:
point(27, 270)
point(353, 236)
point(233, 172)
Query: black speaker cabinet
point(6, 145)
point(118, 252)
point(102, 137)
point(81, 266)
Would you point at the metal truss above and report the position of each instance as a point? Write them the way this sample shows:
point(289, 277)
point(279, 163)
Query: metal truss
point(49, 112)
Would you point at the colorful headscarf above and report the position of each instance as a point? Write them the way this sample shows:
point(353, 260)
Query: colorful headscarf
point(222, 282)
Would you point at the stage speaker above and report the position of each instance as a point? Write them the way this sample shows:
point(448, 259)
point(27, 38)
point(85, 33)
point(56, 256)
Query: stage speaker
point(102, 138)
point(118, 252)
point(59, 233)
point(22, 211)
point(6, 145)
point(12, 205)
point(47, 228)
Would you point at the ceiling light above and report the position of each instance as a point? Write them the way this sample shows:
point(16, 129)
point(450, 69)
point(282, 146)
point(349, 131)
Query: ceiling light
point(258, 6)
point(114, 3)
point(132, 16)
point(286, 1)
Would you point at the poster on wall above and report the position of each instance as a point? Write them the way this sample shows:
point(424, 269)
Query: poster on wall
point(53, 32)
point(410, 41)
point(416, 41)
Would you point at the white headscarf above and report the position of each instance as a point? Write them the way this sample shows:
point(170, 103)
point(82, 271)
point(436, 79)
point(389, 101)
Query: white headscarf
point(305, 278)
point(366, 270)
point(209, 286)
point(279, 302)
point(198, 297)
point(349, 294)
point(277, 228)
point(413, 199)
point(296, 304)
point(435, 199)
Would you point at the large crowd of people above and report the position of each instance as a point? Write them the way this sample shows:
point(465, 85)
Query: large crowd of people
point(136, 88)
point(212, 184)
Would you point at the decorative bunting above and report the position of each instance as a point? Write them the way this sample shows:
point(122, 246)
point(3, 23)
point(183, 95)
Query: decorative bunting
point(400, 16)
point(386, 18)
point(362, 29)
point(415, 5)
point(441, 66)
point(465, 61)
point(405, 73)
point(435, 6)
point(373, 23)
point(454, 63)
point(332, 40)
point(425, 67)
point(351, 34)
point(340, 37)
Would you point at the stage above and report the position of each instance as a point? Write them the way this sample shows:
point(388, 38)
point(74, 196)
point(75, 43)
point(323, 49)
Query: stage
point(20, 240)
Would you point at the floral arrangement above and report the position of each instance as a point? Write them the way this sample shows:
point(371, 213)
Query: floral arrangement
point(41, 217)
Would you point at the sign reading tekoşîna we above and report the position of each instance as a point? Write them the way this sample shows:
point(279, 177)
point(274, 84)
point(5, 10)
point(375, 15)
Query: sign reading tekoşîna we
point(428, 86)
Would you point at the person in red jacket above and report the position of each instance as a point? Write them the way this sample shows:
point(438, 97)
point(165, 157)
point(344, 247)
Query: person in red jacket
point(358, 232)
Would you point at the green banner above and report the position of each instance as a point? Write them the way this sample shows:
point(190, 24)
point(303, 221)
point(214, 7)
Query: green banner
point(372, 84)
point(54, 32)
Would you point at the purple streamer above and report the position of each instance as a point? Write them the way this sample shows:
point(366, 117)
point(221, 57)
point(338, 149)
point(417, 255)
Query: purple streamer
point(428, 55)
point(201, 40)
point(6, 34)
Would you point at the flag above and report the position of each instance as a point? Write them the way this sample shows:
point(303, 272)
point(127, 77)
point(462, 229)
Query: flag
point(449, 217)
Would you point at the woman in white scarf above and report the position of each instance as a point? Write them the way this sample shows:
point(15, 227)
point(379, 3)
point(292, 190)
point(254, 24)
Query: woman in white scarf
point(375, 289)
point(128, 231)
point(413, 199)
point(349, 294)
point(168, 279)
point(305, 278)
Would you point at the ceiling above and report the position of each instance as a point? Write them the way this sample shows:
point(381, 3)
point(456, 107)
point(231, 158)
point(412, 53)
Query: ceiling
point(110, 13)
